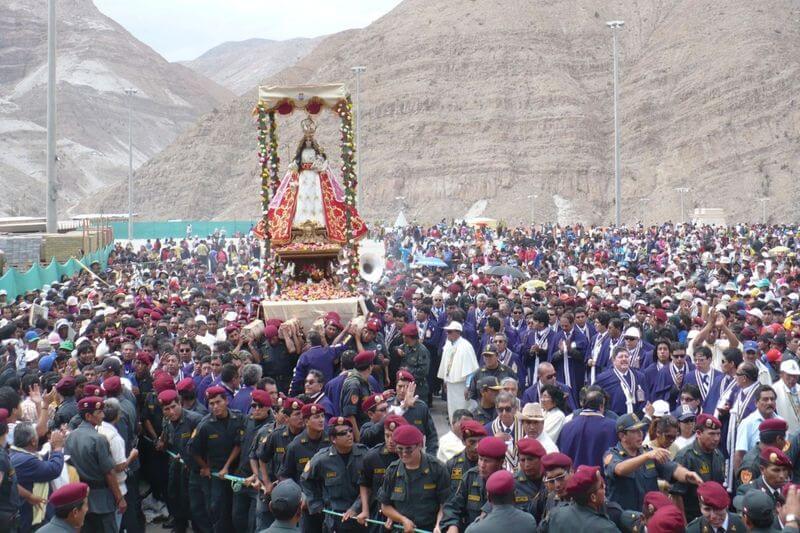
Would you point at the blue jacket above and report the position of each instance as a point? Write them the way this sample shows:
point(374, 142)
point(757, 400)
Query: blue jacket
point(31, 469)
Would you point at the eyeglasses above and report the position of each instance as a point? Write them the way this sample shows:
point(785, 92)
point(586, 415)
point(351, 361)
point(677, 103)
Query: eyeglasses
point(256, 405)
point(405, 450)
point(500, 341)
point(551, 480)
point(741, 374)
point(343, 433)
point(631, 339)
point(507, 409)
point(679, 355)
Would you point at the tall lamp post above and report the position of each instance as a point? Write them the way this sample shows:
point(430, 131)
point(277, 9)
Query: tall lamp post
point(682, 191)
point(51, 213)
point(615, 25)
point(358, 71)
point(130, 93)
point(763, 209)
point(532, 198)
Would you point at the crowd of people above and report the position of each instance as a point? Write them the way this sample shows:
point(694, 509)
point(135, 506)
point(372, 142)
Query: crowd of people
point(593, 378)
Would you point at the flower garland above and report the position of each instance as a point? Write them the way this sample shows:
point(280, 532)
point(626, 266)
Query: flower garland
point(344, 108)
point(269, 159)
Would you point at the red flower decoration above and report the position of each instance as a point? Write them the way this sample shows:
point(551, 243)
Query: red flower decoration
point(314, 106)
point(285, 108)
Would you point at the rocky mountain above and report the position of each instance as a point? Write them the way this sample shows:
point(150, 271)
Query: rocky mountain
point(507, 101)
point(242, 65)
point(97, 60)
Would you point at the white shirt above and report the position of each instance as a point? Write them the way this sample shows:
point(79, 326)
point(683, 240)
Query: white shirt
point(787, 406)
point(747, 434)
point(117, 445)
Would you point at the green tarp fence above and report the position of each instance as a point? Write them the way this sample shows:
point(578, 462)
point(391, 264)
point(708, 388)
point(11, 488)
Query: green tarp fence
point(16, 282)
point(177, 229)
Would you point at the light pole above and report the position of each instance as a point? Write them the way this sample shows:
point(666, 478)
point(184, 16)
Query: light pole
point(615, 25)
point(51, 212)
point(682, 191)
point(358, 71)
point(130, 93)
point(763, 209)
point(532, 198)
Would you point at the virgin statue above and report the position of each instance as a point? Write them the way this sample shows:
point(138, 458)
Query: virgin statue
point(310, 197)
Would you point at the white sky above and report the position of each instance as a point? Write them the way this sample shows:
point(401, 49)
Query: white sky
point(184, 29)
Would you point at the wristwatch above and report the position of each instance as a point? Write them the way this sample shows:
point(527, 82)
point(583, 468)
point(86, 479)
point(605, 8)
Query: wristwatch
point(791, 518)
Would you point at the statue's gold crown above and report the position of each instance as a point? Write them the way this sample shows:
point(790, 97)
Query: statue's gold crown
point(309, 127)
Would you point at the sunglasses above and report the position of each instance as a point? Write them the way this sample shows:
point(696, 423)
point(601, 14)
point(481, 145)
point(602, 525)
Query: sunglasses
point(343, 433)
point(631, 339)
point(505, 409)
point(405, 450)
point(679, 355)
point(551, 480)
point(256, 405)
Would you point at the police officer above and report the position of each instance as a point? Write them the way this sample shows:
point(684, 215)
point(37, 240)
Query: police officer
point(355, 388)
point(415, 411)
point(775, 469)
point(415, 358)
point(632, 471)
point(504, 516)
point(557, 469)
point(771, 432)
point(285, 506)
point(714, 504)
point(184, 478)
point(68, 406)
point(376, 462)
point(415, 487)
point(585, 513)
point(244, 500)
point(485, 411)
point(270, 449)
point(466, 504)
point(635, 521)
point(758, 512)
point(215, 446)
point(156, 462)
point(187, 391)
point(300, 451)
point(471, 434)
point(529, 492)
point(703, 457)
point(492, 367)
point(330, 479)
point(375, 406)
point(90, 454)
point(70, 504)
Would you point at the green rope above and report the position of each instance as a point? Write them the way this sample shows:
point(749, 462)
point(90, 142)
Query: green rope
point(376, 522)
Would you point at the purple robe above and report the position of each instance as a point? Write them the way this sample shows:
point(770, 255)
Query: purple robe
point(586, 438)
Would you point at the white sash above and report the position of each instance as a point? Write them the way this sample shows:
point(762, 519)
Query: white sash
point(703, 388)
point(598, 346)
point(635, 355)
point(628, 391)
point(673, 372)
point(724, 390)
point(566, 343)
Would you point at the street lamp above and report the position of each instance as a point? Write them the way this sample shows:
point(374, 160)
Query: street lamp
point(763, 209)
point(51, 211)
point(130, 93)
point(682, 191)
point(532, 198)
point(358, 71)
point(615, 25)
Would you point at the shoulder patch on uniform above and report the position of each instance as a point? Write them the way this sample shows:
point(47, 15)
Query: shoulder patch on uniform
point(607, 459)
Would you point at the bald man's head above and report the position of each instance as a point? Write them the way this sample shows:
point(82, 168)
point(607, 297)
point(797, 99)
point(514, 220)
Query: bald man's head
point(546, 373)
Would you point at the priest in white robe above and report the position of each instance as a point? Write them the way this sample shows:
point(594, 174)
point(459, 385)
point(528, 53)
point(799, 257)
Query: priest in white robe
point(458, 362)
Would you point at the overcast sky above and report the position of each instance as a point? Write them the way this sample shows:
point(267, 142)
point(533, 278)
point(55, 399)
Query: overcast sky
point(184, 29)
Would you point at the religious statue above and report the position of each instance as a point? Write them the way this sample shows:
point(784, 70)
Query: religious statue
point(310, 198)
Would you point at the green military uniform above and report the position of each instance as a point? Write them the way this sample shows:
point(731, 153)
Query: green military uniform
point(416, 494)
point(467, 503)
point(371, 434)
point(244, 500)
point(417, 360)
point(457, 466)
point(64, 412)
point(279, 526)
point(214, 439)
point(90, 454)
point(701, 525)
point(750, 469)
point(273, 445)
point(503, 518)
point(501, 372)
point(354, 389)
point(759, 484)
point(484, 415)
point(629, 491)
point(184, 477)
point(330, 481)
point(376, 462)
point(419, 416)
point(298, 453)
point(551, 502)
point(263, 515)
point(631, 522)
point(573, 517)
point(709, 466)
point(56, 525)
point(529, 495)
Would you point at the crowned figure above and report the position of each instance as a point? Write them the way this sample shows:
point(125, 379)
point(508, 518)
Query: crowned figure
point(310, 198)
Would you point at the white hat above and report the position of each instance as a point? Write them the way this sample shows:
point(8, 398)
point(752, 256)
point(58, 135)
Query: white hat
point(72, 301)
point(201, 318)
point(791, 367)
point(686, 295)
point(660, 408)
point(3, 292)
point(454, 326)
point(110, 311)
point(625, 304)
point(231, 316)
point(632, 332)
point(31, 355)
point(756, 312)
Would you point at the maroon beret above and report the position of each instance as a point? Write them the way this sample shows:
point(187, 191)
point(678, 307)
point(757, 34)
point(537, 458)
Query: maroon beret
point(145, 357)
point(773, 456)
point(87, 404)
point(532, 447)
point(500, 483)
point(410, 330)
point(556, 460)
point(472, 428)
point(364, 359)
point(371, 401)
point(133, 332)
point(232, 327)
point(270, 332)
point(93, 389)
point(66, 384)
point(261, 397)
point(216, 390)
point(773, 424)
point(655, 499)
point(373, 324)
point(704, 420)
point(167, 396)
point(407, 435)
point(163, 382)
point(311, 409)
point(185, 385)
point(668, 519)
point(3, 416)
point(583, 480)
point(392, 422)
point(405, 375)
point(714, 495)
point(275, 322)
point(339, 421)
point(155, 315)
point(69, 494)
point(292, 404)
point(112, 385)
point(492, 447)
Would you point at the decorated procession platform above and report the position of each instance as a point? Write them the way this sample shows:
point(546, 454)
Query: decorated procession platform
point(309, 311)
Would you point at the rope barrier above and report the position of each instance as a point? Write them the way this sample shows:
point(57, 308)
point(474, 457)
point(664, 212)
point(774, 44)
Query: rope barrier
point(376, 522)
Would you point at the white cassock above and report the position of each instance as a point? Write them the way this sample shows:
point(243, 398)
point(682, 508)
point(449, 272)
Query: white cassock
point(458, 362)
point(787, 404)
